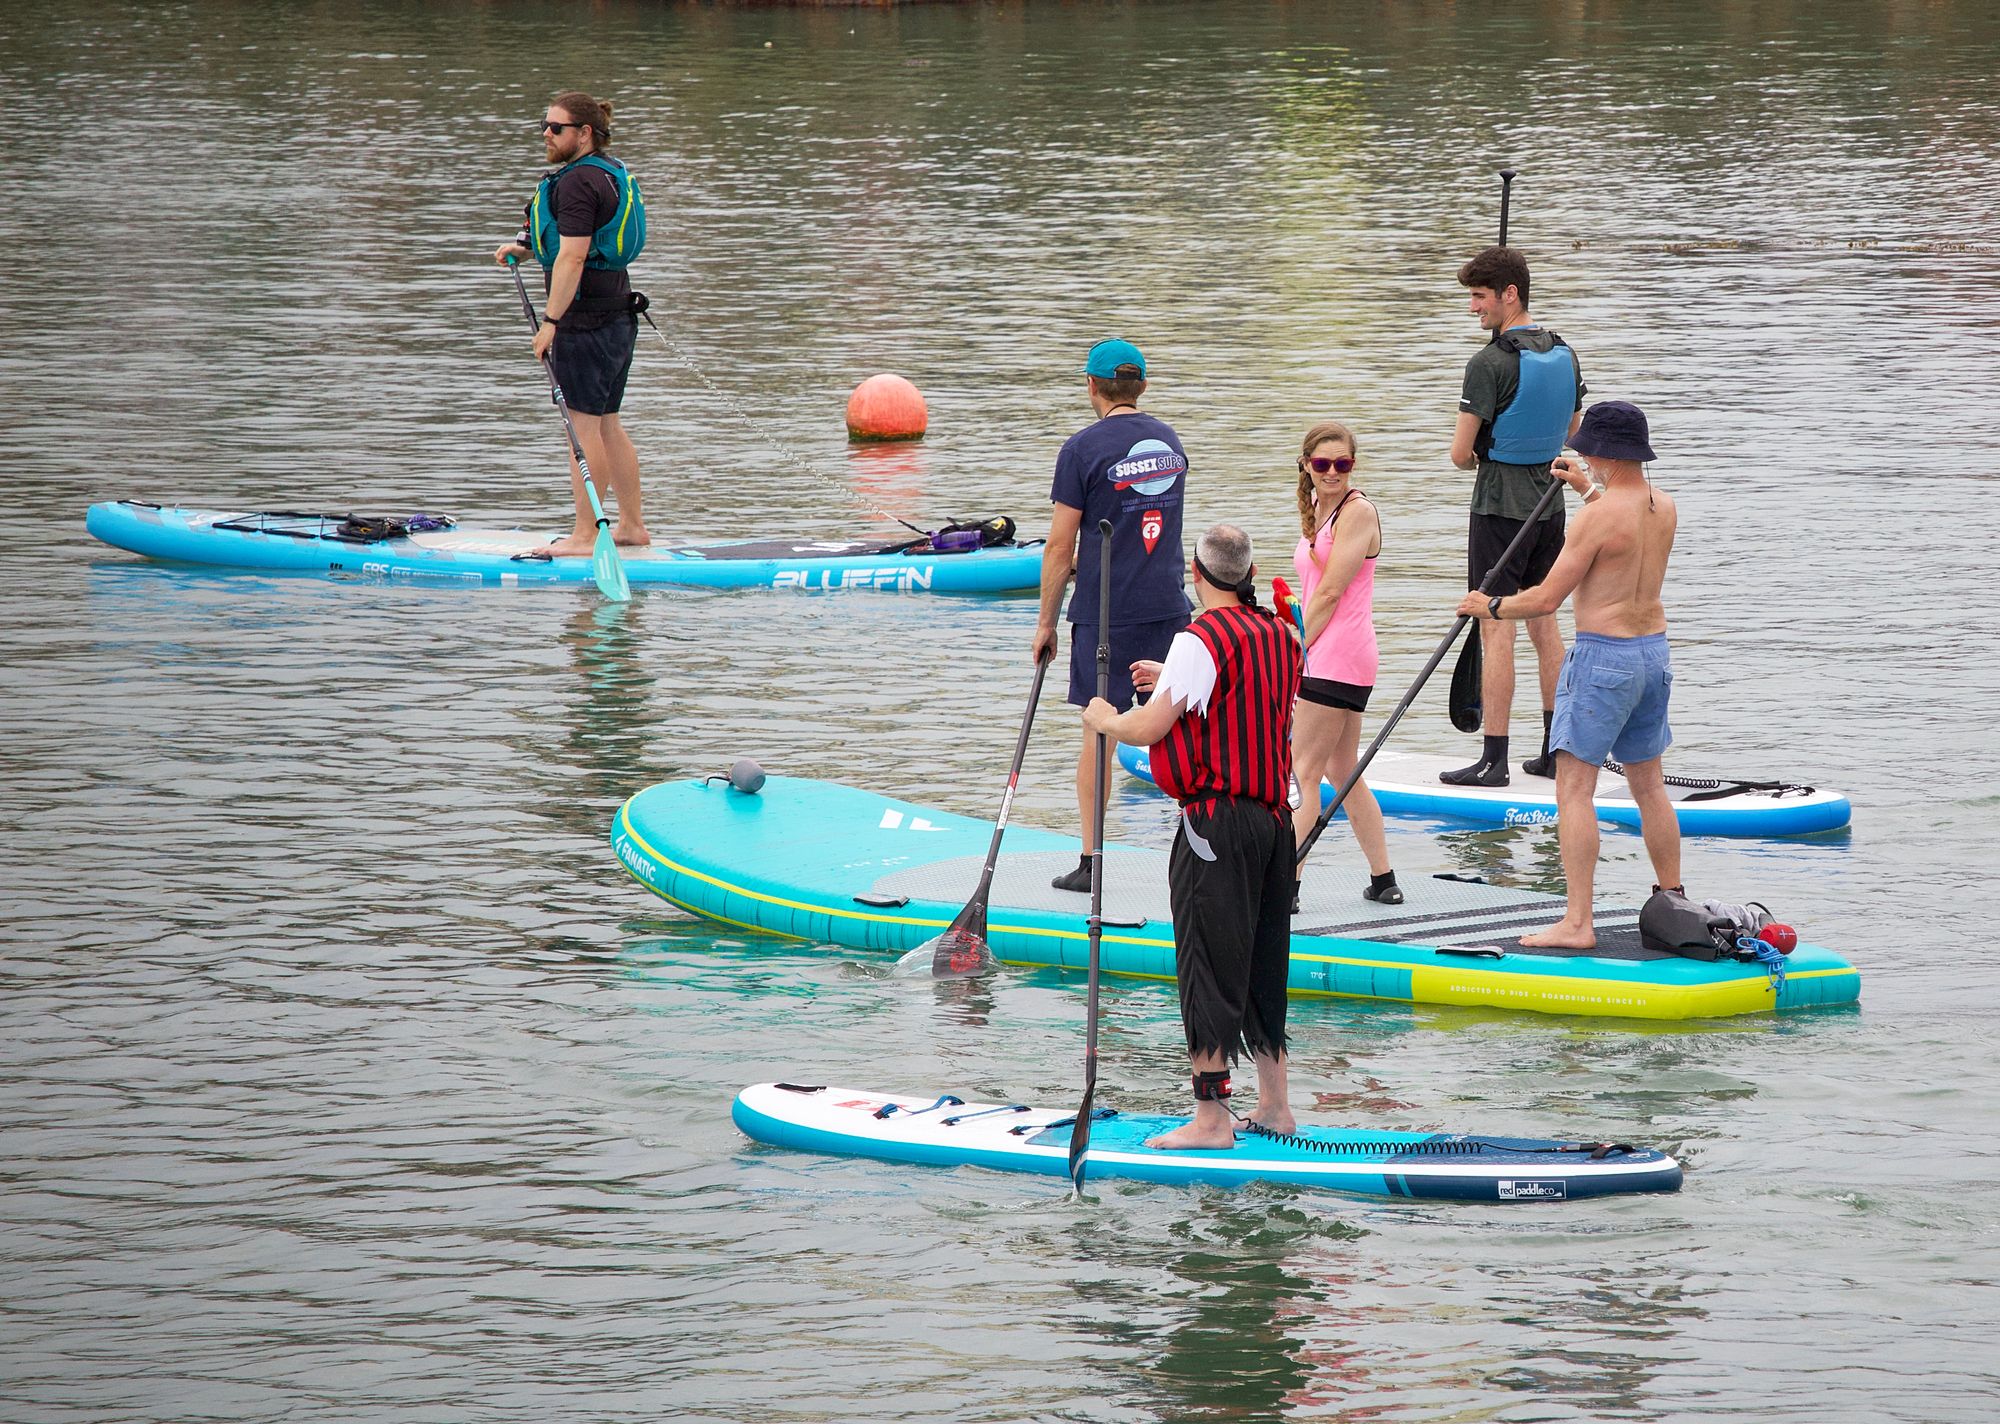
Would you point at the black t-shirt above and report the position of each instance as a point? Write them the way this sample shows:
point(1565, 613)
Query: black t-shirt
point(585, 199)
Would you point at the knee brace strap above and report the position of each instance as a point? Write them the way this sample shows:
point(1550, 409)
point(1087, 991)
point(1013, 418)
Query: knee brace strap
point(1211, 1087)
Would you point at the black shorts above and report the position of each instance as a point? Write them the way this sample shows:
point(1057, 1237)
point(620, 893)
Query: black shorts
point(1232, 908)
point(1487, 540)
point(1329, 693)
point(591, 364)
point(1130, 643)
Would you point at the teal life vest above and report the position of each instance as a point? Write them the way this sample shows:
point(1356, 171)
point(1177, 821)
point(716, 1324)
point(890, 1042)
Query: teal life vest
point(1531, 430)
point(613, 245)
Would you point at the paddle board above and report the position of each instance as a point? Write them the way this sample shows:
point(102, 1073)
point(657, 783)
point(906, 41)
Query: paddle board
point(834, 864)
point(948, 1131)
point(1406, 784)
point(506, 557)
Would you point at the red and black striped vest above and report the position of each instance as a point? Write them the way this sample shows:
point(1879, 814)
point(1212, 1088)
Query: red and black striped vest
point(1242, 745)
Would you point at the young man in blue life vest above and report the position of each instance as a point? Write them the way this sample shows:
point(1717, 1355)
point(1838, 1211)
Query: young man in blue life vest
point(1129, 468)
point(584, 225)
point(1220, 726)
point(1523, 395)
point(1611, 700)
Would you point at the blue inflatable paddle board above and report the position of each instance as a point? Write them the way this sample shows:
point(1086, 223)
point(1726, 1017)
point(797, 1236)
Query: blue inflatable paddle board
point(835, 864)
point(313, 543)
point(1406, 784)
point(948, 1131)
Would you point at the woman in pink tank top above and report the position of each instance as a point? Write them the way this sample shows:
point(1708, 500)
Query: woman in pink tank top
point(1339, 538)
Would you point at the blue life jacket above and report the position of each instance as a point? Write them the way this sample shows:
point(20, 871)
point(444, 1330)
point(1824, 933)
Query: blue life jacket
point(613, 245)
point(1530, 431)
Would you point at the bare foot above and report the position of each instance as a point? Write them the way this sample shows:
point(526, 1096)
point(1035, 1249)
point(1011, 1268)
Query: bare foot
point(1189, 1135)
point(1282, 1123)
point(634, 538)
point(1563, 934)
point(574, 547)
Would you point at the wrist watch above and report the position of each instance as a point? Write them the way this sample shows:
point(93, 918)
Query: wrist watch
point(1493, 607)
point(551, 320)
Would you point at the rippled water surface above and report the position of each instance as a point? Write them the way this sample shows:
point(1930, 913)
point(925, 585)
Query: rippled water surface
point(343, 1075)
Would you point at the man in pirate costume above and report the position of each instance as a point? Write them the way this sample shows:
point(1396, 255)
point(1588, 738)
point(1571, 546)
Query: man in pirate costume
point(1220, 722)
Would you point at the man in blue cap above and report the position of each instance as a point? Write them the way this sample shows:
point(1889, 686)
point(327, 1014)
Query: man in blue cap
point(1611, 697)
point(1129, 468)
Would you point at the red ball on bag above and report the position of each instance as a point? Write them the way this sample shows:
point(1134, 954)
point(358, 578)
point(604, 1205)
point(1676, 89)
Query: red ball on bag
point(1782, 938)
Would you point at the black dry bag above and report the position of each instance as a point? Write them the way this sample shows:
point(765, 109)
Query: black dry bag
point(1673, 924)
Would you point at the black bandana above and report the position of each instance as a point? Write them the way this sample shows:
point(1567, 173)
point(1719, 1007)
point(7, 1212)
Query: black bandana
point(1245, 588)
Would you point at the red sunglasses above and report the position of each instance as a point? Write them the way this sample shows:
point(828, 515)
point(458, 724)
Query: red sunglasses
point(1321, 464)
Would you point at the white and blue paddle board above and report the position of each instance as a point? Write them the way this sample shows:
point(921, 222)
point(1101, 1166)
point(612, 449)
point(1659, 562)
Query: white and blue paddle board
point(1406, 784)
point(508, 558)
point(948, 1131)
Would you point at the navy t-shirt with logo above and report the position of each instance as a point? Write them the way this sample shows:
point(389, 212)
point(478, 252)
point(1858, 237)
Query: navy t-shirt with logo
point(1131, 470)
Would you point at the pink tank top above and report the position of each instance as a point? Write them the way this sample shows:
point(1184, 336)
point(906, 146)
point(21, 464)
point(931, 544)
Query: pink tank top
point(1345, 649)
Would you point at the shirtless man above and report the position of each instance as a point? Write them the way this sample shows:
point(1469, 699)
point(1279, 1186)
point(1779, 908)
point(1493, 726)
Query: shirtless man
point(1611, 699)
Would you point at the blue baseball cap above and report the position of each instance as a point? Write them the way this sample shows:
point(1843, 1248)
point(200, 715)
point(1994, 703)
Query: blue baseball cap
point(1106, 357)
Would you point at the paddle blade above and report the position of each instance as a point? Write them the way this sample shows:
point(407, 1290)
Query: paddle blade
point(955, 954)
point(608, 569)
point(1079, 1135)
point(1466, 681)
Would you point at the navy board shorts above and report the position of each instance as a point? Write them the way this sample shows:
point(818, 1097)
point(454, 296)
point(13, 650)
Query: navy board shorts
point(1487, 539)
point(1611, 699)
point(591, 364)
point(1130, 643)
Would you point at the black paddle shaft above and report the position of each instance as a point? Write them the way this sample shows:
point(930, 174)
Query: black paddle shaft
point(1079, 1137)
point(1485, 584)
point(972, 919)
point(1506, 192)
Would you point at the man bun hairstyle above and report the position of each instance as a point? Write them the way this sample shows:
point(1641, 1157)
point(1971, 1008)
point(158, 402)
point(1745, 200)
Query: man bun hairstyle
point(1497, 268)
point(583, 109)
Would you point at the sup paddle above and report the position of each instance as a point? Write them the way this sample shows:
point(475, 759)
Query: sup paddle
point(1468, 675)
point(1079, 1137)
point(1485, 584)
point(605, 565)
point(962, 948)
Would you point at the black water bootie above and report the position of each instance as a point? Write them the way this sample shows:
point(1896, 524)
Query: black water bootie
point(1295, 899)
point(1383, 889)
point(1480, 773)
point(1077, 879)
point(1545, 764)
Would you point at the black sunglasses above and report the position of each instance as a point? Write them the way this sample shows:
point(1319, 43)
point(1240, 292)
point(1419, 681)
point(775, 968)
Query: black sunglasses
point(1321, 464)
point(551, 126)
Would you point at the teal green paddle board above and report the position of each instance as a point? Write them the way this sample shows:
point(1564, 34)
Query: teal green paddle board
point(834, 864)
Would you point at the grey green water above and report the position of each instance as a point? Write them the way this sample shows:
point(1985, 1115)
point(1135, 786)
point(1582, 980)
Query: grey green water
point(344, 1076)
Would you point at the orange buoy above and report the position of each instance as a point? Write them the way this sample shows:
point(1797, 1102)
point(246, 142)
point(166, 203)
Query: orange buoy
point(886, 407)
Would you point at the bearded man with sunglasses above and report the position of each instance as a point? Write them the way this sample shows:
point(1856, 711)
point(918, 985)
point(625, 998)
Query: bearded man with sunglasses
point(584, 225)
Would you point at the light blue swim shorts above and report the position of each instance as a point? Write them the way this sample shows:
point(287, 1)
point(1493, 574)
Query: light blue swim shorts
point(1611, 700)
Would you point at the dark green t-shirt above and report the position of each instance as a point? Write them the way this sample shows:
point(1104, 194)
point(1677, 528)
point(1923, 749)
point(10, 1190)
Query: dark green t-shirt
point(1491, 379)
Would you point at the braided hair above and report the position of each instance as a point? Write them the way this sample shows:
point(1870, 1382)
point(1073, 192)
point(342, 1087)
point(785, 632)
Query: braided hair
point(1308, 510)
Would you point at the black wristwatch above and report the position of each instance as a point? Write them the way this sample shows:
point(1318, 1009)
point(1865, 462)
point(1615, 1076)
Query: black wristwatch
point(551, 320)
point(1493, 607)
